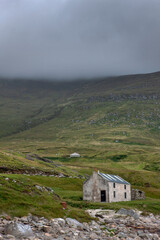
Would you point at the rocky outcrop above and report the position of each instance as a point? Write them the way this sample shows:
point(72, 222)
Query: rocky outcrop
point(128, 212)
point(123, 224)
point(110, 225)
point(18, 230)
point(35, 156)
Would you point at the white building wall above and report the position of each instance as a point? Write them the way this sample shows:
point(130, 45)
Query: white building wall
point(119, 192)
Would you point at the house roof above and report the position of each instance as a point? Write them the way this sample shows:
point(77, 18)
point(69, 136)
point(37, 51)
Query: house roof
point(75, 153)
point(113, 178)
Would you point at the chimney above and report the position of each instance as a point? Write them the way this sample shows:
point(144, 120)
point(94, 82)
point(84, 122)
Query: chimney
point(95, 172)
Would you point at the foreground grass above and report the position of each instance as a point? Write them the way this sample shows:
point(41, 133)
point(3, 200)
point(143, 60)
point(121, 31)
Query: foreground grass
point(146, 206)
point(19, 196)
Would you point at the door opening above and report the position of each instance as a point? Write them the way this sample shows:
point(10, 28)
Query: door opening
point(103, 196)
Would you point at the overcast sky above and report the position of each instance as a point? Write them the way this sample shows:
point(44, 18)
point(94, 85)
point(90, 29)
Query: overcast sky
point(78, 38)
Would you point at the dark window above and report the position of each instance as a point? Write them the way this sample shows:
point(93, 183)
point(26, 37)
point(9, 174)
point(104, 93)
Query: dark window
point(103, 196)
point(124, 186)
point(114, 185)
point(125, 195)
point(114, 194)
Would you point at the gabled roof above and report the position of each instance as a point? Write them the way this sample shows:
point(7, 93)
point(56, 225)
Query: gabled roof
point(113, 178)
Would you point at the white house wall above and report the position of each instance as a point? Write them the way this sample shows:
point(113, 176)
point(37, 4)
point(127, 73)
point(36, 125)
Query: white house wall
point(119, 192)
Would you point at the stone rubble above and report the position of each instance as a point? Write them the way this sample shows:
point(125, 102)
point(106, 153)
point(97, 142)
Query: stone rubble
point(107, 225)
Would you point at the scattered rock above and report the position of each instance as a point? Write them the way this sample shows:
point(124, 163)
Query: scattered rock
point(60, 221)
point(110, 226)
point(35, 156)
point(10, 237)
point(28, 157)
point(39, 188)
point(93, 236)
point(74, 223)
point(49, 189)
point(46, 228)
point(61, 175)
point(24, 219)
point(7, 217)
point(18, 230)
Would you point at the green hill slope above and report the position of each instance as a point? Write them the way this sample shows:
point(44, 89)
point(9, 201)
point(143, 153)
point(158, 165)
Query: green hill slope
point(122, 110)
point(100, 118)
point(114, 123)
point(120, 100)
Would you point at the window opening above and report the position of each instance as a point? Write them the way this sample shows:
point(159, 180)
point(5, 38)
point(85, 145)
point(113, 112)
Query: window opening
point(114, 194)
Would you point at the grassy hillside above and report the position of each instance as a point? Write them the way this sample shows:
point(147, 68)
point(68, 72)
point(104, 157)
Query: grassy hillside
point(114, 123)
point(99, 118)
point(20, 196)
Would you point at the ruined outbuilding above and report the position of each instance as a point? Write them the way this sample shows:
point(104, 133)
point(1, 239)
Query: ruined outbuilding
point(137, 194)
point(100, 187)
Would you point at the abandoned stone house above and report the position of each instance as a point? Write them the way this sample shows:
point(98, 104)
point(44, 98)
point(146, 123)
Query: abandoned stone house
point(100, 187)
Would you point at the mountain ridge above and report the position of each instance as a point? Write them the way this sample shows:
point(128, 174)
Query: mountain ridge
point(27, 104)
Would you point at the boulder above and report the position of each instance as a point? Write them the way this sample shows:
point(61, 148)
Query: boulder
point(128, 212)
point(28, 157)
point(9, 237)
point(18, 230)
point(49, 189)
point(121, 235)
point(74, 223)
point(39, 188)
point(93, 236)
point(60, 221)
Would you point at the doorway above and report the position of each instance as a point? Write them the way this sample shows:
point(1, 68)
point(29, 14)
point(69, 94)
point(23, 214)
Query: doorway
point(103, 196)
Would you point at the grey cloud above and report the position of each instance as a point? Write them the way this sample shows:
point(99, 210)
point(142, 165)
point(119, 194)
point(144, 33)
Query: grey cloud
point(78, 38)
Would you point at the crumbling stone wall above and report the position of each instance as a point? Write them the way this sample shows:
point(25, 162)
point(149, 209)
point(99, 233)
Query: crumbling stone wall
point(137, 194)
